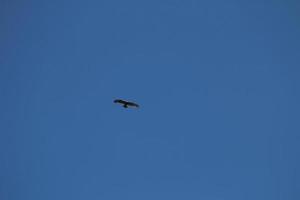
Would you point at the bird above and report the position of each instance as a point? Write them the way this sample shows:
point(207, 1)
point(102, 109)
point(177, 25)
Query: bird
point(126, 104)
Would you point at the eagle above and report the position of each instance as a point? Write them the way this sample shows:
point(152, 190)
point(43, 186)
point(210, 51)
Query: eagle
point(126, 104)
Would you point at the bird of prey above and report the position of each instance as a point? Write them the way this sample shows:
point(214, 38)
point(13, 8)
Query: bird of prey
point(126, 104)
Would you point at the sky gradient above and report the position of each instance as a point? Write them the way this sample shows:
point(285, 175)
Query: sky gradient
point(217, 82)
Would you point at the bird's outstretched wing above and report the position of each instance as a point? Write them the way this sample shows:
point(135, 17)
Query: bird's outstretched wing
point(132, 104)
point(120, 101)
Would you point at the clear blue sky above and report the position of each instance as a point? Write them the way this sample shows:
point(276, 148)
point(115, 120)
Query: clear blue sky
point(217, 81)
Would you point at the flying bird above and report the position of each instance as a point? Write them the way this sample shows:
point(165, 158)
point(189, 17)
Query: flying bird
point(126, 104)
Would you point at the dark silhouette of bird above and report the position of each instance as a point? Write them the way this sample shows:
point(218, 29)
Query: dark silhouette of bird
point(126, 104)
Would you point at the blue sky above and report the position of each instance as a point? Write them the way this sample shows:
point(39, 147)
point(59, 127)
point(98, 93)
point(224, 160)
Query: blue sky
point(217, 81)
